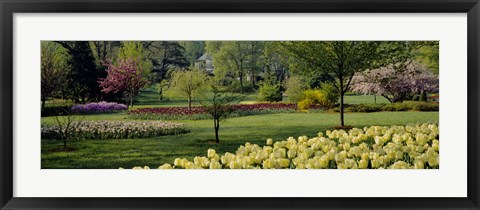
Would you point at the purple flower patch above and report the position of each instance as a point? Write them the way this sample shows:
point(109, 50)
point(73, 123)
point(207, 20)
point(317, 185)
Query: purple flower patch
point(98, 107)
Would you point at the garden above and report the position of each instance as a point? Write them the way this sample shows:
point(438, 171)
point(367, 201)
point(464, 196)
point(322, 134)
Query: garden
point(239, 105)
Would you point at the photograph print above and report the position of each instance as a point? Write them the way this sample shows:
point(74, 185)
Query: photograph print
point(240, 104)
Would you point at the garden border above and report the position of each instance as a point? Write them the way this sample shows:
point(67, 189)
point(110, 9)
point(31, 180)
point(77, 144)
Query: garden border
point(9, 7)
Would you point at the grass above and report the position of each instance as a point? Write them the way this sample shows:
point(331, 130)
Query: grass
point(364, 99)
point(149, 98)
point(233, 132)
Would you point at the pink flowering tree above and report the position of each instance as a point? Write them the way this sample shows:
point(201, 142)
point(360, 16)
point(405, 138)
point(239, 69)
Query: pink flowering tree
point(124, 77)
point(396, 82)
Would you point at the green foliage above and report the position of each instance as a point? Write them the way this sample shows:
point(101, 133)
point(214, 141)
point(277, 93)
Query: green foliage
point(364, 108)
point(294, 88)
point(135, 51)
point(428, 55)
point(269, 93)
point(412, 105)
point(82, 79)
point(236, 59)
point(393, 107)
point(188, 83)
point(160, 88)
point(165, 56)
point(54, 69)
point(342, 59)
point(236, 87)
point(331, 95)
point(193, 50)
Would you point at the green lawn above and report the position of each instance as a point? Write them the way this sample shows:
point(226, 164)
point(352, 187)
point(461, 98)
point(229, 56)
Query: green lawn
point(150, 98)
point(364, 99)
point(233, 132)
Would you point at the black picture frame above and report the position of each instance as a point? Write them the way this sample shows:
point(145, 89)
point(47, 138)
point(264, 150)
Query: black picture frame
point(10, 7)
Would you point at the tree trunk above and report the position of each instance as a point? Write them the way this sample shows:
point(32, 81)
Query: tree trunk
point(253, 79)
point(189, 103)
point(131, 101)
point(241, 83)
point(241, 76)
point(216, 124)
point(43, 103)
point(342, 94)
point(64, 144)
point(375, 98)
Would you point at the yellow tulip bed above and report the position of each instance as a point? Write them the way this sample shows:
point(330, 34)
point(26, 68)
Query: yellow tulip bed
point(375, 147)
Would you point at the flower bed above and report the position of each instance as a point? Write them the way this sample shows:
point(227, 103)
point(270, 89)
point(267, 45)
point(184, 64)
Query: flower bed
point(102, 130)
point(375, 147)
point(98, 107)
point(198, 112)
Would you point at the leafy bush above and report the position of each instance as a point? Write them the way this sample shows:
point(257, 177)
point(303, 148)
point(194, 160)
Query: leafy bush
point(102, 130)
point(331, 95)
point(323, 98)
point(313, 98)
point(306, 104)
point(393, 107)
point(422, 106)
point(269, 93)
point(294, 89)
point(364, 108)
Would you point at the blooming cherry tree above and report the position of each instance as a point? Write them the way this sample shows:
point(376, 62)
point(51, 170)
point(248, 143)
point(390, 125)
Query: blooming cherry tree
point(396, 82)
point(125, 76)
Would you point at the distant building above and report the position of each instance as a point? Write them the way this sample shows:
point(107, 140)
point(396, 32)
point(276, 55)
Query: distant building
point(205, 62)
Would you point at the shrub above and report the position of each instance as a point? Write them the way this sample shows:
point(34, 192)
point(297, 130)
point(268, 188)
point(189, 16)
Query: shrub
point(412, 105)
point(269, 93)
point(331, 95)
point(364, 108)
point(395, 107)
point(422, 106)
point(294, 89)
point(306, 104)
point(313, 98)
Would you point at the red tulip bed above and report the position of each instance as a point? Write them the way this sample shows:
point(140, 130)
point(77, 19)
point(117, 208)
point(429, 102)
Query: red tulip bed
point(198, 112)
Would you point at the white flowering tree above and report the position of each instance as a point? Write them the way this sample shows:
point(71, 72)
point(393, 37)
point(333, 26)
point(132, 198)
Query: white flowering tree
point(396, 82)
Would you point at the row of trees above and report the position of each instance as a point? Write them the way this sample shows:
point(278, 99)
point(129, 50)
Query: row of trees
point(72, 69)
